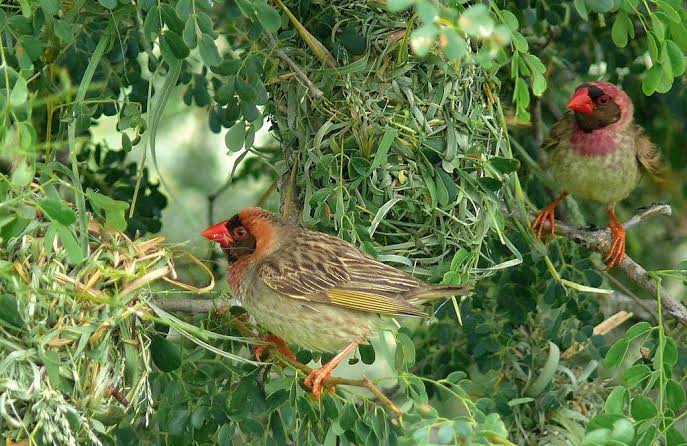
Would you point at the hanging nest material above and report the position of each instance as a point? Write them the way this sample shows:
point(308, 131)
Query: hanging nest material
point(74, 340)
point(411, 155)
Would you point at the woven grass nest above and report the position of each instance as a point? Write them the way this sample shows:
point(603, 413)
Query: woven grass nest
point(408, 152)
point(75, 339)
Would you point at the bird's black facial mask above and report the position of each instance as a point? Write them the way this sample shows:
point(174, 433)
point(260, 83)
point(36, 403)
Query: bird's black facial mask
point(243, 242)
point(605, 112)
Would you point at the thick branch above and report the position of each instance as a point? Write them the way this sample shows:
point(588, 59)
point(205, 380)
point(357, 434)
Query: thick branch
point(600, 241)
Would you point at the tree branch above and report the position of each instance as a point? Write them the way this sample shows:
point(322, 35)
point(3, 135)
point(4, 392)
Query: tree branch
point(600, 241)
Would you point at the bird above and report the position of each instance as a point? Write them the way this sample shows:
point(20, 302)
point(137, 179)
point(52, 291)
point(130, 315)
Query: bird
point(597, 151)
point(314, 290)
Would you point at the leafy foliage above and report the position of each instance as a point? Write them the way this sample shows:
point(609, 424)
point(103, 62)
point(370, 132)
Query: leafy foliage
point(386, 127)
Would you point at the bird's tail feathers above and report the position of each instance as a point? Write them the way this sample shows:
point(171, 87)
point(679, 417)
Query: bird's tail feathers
point(432, 292)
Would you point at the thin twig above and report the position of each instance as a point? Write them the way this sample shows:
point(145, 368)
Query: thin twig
point(192, 305)
point(315, 92)
point(600, 241)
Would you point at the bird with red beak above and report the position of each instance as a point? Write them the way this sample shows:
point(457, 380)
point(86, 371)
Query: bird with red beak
point(598, 152)
point(314, 290)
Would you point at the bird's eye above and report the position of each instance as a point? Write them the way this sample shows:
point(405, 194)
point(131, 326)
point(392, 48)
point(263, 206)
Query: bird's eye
point(604, 99)
point(240, 232)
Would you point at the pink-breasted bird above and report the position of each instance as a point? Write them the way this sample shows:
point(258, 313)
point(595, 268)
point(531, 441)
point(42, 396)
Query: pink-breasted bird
point(598, 152)
point(312, 289)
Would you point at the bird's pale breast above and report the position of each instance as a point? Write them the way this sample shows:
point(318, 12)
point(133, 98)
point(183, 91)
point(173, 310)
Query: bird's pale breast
point(607, 178)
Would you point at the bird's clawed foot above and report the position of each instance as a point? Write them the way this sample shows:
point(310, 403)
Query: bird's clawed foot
point(277, 342)
point(617, 251)
point(547, 215)
point(316, 378)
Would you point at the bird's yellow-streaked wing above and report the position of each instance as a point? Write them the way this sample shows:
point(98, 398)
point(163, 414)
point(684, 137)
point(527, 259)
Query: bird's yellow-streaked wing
point(321, 268)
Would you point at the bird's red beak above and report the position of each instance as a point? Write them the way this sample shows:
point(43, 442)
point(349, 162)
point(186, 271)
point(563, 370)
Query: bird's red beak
point(219, 233)
point(581, 102)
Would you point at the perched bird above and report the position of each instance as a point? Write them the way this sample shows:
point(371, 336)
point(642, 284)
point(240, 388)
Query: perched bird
point(312, 289)
point(598, 152)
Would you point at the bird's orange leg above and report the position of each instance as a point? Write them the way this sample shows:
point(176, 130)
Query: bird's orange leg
point(276, 341)
point(617, 251)
point(547, 215)
point(316, 377)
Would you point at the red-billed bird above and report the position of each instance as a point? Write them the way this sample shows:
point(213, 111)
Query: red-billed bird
point(312, 289)
point(598, 152)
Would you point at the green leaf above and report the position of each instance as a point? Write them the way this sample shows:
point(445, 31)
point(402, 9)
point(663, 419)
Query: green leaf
point(676, 58)
point(224, 435)
point(380, 158)
point(519, 42)
point(405, 351)
point(176, 44)
point(23, 174)
point(616, 353)
point(50, 7)
point(57, 211)
point(114, 210)
point(521, 93)
point(619, 32)
point(178, 419)
point(538, 84)
point(623, 431)
point(64, 30)
point(109, 4)
point(275, 400)
point(510, 20)
point(678, 32)
point(505, 165)
point(652, 79)
point(20, 92)
point(190, 36)
point(235, 137)
point(152, 24)
point(208, 51)
point(581, 8)
point(617, 401)
point(170, 17)
point(71, 246)
point(490, 184)
point(658, 28)
point(126, 143)
point(367, 353)
point(669, 353)
point(668, 10)
point(642, 408)
point(268, 16)
point(636, 374)
point(165, 355)
point(9, 311)
point(675, 395)
point(637, 330)
point(647, 438)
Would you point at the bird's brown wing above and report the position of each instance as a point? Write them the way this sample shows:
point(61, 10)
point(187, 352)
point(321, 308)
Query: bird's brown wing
point(648, 157)
point(321, 268)
point(560, 131)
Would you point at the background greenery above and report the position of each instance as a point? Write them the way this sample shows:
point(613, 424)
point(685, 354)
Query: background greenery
point(411, 130)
